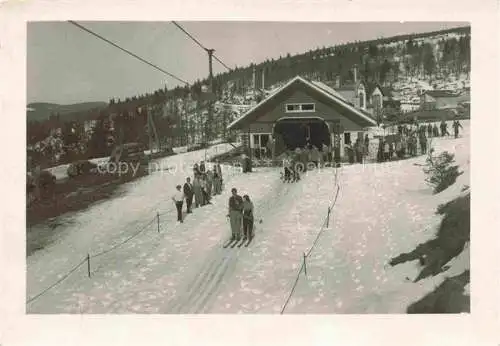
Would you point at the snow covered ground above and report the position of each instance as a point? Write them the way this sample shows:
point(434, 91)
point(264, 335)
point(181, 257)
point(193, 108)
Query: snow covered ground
point(61, 171)
point(382, 211)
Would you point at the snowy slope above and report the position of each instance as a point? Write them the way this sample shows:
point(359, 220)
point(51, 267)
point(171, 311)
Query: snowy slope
point(110, 221)
point(382, 211)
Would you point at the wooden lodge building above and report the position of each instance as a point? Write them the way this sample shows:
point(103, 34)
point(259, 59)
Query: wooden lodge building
point(299, 111)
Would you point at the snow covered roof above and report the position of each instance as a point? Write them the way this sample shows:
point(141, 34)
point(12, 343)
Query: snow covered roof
point(440, 93)
point(323, 89)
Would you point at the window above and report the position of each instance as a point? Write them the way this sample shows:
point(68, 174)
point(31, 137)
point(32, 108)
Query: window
point(256, 142)
point(261, 140)
point(362, 100)
point(300, 107)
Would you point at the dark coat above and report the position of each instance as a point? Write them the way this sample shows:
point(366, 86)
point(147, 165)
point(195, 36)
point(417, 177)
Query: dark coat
point(188, 190)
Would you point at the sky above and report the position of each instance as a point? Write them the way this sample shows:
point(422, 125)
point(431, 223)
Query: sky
point(67, 65)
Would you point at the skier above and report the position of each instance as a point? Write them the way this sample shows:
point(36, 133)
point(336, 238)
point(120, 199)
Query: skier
point(189, 193)
point(456, 125)
point(247, 218)
point(178, 199)
point(444, 129)
point(429, 130)
point(235, 214)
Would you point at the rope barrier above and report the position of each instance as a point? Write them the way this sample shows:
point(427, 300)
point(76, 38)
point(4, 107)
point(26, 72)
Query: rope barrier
point(126, 240)
point(88, 256)
point(305, 255)
point(293, 289)
point(57, 282)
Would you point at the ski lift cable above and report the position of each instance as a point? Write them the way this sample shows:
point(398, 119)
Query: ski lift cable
point(128, 52)
point(199, 43)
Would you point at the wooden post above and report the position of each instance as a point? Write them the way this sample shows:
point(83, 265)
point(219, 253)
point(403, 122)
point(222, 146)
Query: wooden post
point(88, 264)
point(158, 220)
point(305, 267)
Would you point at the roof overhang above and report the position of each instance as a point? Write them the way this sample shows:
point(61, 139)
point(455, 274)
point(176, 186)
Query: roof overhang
point(298, 79)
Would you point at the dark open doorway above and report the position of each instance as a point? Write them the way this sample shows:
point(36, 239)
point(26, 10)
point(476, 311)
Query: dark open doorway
point(296, 131)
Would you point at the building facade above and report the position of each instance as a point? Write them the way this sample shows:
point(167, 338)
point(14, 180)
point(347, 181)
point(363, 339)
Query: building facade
point(301, 112)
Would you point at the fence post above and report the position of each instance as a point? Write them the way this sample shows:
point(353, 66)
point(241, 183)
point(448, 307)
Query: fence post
point(305, 267)
point(328, 217)
point(158, 220)
point(88, 264)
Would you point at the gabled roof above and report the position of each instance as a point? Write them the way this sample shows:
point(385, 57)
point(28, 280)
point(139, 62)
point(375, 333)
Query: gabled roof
point(323, 89)
point(352, 86)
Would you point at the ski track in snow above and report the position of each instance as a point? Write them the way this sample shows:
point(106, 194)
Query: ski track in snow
point(382, 210)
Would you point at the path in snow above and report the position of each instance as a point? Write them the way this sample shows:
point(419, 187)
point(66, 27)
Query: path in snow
point(110, 221)
point(382, 210)
point(152, 273)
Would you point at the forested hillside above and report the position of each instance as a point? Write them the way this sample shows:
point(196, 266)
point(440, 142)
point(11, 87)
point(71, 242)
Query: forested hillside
point(181, 117)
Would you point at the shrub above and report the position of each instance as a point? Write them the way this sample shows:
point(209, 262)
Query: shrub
point(441, 171)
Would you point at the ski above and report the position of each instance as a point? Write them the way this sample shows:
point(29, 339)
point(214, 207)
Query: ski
point(235, 243)
point(243, 241)
point(248, 241)
point(228, 243)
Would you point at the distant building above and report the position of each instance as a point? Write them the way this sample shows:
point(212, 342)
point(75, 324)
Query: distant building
point(303, 111)
point(442, 99)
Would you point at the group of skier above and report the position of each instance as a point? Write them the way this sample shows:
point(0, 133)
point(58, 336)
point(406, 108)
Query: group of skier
point(240, 214)
point(410, 138)
point(205, 184)
point(300, 160)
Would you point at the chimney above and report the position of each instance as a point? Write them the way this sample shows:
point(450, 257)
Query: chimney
point(253, 78)
point(355, 71)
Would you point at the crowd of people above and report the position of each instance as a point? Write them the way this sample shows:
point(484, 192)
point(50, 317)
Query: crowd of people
point(206, 184)
point(411, 140)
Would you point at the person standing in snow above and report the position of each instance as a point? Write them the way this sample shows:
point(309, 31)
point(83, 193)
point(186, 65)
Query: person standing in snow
point(359, 150)
point(216, 181)
point(196, 170)
point(366, 144)
point(198, 196)
point(456, 126)
point(235, 208)
point(178, 199)
point(315, 156)
point(387, 150)
point(399, 148)
point(423, 143)
point(248, 218)
point(429, 130)
point(435, 130)
point(204, 190)
point(202, 167)
point(325, 153)
point(210, 182)
point(444, 129)
point(188, 193)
